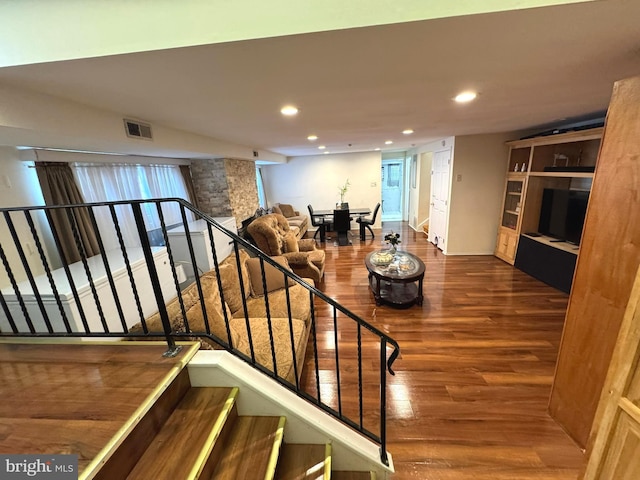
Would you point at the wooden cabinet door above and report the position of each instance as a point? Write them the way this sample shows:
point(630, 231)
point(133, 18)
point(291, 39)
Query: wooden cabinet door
point(615, 437)
point(501, 248)
point(512, 241)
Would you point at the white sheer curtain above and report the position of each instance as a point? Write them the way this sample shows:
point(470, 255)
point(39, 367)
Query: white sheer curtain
point(112, 182)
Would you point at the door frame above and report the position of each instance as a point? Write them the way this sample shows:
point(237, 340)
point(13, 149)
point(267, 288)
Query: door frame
point(403, 186)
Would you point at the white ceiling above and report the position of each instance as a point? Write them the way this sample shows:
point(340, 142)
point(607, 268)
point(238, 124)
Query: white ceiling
point(357, 88)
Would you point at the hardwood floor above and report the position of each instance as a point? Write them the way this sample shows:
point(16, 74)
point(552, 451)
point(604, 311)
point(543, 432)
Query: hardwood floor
point(52, 394)
point(469, 398)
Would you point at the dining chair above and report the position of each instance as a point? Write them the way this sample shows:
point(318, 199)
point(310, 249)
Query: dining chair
point(322, 223)
point(342, 225)
point(367, 222)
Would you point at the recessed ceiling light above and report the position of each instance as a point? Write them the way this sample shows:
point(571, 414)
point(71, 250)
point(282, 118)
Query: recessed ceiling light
point(388, 142)
point(408, 131)
point(465, 97)
point(312, 138)
point(377, 149)
point(321, 147)
point(326, 153)
point(289, 110)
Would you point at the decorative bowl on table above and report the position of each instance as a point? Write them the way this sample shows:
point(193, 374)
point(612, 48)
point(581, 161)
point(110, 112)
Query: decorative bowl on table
point(382, 258)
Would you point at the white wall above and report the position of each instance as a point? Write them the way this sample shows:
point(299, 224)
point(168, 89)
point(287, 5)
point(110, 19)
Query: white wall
point(479, 170)
point(315, 180)
point(18, 187)
point(35, 119)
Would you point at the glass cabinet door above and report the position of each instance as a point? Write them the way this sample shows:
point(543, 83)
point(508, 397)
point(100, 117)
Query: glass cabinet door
point(513, 197)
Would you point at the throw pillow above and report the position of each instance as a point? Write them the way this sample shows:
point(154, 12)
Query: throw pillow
point(287, 210)
point(213, 306)
point(275, 279)
point(276, 209)
point(290, 243)
point(231, 280)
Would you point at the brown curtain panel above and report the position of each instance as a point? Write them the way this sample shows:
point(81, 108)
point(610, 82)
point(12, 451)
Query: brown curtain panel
point(185, 170)
point(59, 188)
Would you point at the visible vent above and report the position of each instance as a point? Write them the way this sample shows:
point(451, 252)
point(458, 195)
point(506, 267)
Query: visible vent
point(136, 129)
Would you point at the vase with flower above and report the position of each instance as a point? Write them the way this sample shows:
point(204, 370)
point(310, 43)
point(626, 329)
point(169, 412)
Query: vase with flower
point(393, 239)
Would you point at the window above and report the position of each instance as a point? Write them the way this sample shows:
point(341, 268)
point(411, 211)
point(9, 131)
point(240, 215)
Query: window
point(112, 182)
point(393, 180)
point(262, 198)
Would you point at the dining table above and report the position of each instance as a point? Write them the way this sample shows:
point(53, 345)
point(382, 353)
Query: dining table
point(327, 215)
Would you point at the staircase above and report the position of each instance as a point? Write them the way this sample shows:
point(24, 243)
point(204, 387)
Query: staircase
point(196, 433)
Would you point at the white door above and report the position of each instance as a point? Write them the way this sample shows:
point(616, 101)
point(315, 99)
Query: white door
point(439, 198)
point(392, 187)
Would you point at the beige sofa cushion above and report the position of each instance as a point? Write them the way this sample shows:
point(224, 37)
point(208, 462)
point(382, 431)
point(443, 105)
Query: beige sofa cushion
point(262, 342)
point(274, 278)
point(300, 304)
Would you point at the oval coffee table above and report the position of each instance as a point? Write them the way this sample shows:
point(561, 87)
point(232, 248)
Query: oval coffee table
point(397, 280)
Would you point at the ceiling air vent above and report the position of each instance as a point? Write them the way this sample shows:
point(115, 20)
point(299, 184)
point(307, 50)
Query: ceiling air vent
point(136, 129)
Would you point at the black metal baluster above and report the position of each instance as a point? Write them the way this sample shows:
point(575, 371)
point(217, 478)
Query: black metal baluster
point(173, 349)
point(127, 264)
point(29, 273)
point(167, 244)
point(315, 347)
point(5, 307)
point(268, 312)
point(383, 401)
point(47, 269)
point(336, 341)
point(67, 271)
point(216, 266)
point(87, 270)
point(360, 407)
point(107, 268)
point(291, 335)
point(244, 305)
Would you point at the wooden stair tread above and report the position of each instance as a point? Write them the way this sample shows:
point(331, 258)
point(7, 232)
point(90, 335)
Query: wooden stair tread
point(301, 461)
point(341, 475)
point(173, 452)
point(248, 448)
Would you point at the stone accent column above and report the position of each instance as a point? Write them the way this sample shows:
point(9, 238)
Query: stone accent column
point(226, 187)
point(243, 191)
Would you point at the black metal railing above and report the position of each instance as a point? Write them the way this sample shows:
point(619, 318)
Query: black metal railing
point(134, 285)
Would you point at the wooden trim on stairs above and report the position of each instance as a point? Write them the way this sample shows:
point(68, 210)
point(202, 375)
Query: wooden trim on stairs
point(275, 450)
point(205, 463)
point(102, 458)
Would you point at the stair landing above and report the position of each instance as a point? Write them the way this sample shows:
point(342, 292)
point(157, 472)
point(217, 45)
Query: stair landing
point(62, 398)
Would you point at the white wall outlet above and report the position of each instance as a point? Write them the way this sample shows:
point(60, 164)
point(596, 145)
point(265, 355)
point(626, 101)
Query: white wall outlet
point(459, 177)
point(374, 184)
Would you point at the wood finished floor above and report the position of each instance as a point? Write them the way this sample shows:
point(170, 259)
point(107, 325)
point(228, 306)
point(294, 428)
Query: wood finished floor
point(470, 394)
point(58, 393)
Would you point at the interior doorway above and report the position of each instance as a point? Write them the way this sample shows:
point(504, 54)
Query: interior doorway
point(392, 189)
point(439, 198)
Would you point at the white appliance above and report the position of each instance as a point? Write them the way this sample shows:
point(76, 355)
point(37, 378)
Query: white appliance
point(201, 242)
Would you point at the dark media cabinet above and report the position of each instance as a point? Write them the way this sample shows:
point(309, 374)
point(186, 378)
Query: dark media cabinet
point(562, 162)
point(548, 261)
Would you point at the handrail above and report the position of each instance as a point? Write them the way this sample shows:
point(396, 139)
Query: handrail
point(83, 299)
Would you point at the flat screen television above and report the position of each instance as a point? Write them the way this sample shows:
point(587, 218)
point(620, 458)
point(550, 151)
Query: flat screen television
point(562, 214)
